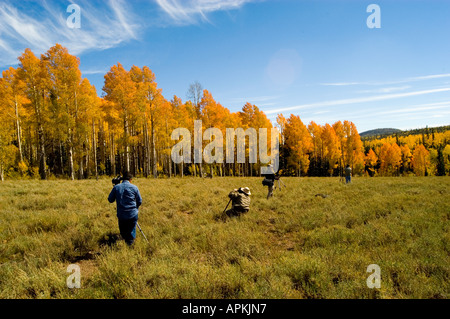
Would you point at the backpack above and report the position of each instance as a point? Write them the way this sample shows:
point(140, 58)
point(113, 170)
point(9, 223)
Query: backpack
point(267, 182)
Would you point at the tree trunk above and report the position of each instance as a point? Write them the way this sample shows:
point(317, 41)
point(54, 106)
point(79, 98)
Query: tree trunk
point(30, 148)
point(42, 158)
point(136, 160)
point(19, 139)
point(154, 157)
point(1, 168)
point(146, 148)
point(94, 148)
point(112, 156)
point(169, 163)
point(127, 150)
point(61, 160)
point(71, 169)
point(41, 137)
point(102, 144)
point(87, 162)
point(81, 162)
point(174, 168)
point(81, 169)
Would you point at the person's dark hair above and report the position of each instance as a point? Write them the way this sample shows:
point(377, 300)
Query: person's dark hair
point(127, 176)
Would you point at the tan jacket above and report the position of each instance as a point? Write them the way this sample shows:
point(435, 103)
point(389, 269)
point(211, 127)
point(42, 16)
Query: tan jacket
point(240, 201)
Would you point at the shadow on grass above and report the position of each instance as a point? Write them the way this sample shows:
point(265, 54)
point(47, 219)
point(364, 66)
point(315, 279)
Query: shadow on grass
point(85, 252)
point(109, 239)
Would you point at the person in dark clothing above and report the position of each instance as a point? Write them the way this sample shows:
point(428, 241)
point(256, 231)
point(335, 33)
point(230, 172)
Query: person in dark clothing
point(348, 174)
point(269, 181)
point(128, 200)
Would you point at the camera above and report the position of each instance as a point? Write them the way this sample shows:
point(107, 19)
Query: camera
point(117, 180)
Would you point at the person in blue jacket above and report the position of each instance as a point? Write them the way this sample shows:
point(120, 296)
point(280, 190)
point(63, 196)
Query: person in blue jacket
point(128, 200)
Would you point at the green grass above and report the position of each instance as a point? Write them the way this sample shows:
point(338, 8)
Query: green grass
point(295, 245)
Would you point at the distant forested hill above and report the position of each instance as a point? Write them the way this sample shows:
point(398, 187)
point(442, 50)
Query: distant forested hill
point(385, 132)
point(380, 131)
point(424, 152)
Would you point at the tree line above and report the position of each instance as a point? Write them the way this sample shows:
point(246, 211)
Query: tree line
point(54, 125)
point(420, 152)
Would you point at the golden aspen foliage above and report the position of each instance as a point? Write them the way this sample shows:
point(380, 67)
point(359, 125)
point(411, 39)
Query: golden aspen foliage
point(299, 142)
point(56, 125)
point(420, 160)
point(390, 159)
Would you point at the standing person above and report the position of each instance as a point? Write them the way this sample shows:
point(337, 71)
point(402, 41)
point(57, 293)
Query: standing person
point(240, 202)
point(128, 200)
point(269, 180)
point(348, 174)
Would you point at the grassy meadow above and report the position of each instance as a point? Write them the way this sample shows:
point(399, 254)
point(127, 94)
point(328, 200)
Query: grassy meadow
point(295, 245)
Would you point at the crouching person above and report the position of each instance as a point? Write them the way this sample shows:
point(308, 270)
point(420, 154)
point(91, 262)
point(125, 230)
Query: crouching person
point(240, 199)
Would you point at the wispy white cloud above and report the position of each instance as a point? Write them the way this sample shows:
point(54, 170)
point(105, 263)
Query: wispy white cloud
point(385, 90)
point(342, 83)
point(191, 11)
point(419, 108)
point(254, 99)
point(389, 112)
point(94, 71)
point(405, 80)
point(103, 26)
point(357, 100)
point(375, 117)
point(428, 77)
point(321, 112)
point(118, 7)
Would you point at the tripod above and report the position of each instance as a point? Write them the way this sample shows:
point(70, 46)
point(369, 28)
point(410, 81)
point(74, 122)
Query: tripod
point(226, 207)
point(142, 232)
point(341, 175)
point(279, 184)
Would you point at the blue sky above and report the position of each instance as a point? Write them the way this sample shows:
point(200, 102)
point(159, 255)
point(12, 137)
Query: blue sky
point(317, 59)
